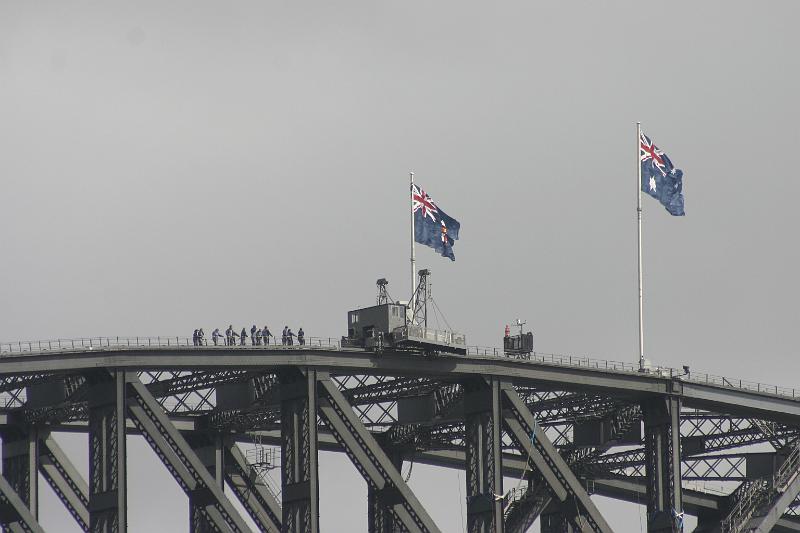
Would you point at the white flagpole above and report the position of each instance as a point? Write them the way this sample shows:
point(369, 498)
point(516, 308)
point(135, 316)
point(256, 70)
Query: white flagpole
point(413, 257)
point(639, 220)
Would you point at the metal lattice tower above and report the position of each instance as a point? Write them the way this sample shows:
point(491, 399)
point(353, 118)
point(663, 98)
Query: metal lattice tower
point(383, 295)
point(421, 298)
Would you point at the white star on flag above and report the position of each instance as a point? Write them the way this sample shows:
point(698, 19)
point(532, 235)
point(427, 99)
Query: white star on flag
point(652, 183)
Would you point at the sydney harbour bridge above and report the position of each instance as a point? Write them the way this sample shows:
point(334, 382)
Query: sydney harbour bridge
point(568, 427)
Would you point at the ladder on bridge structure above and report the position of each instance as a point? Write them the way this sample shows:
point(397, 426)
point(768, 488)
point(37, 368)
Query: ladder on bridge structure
point(755, 498)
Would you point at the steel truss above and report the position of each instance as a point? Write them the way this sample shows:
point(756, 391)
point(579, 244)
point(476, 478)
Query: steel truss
point(371, 461)
point(482, 425)
point(204, 492)
point(64, 479)
point(565, 487)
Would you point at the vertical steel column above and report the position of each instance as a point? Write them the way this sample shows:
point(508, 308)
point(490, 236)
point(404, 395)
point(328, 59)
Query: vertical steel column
point(107, 454)
point(483, 456)
point(21, 465)
point(380, 516)
point(299, 474)
point(663, 468)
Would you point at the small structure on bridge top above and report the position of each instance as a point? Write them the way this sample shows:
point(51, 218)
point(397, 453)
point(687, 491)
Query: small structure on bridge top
point(400, 326)
point(519, 346)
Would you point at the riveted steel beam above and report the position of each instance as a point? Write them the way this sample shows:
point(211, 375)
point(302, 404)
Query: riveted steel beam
point(179, 458)
point(252, 492)
point(299, 456)
point(107, 476)
point(64, 479)
point(380, 518)
point(766, 519)
point(371, 461)
point(20, 464)
point(663, 464)
point(484, 465)
point(14, 514)
point(532, 441)
point(209, 450)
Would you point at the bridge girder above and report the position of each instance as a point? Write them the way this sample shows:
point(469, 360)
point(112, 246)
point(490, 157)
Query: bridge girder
point(372, 389)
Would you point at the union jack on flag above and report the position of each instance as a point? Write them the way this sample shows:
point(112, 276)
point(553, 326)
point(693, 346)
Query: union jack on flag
point(432, 226)
point(422, 201)
point(660, 179)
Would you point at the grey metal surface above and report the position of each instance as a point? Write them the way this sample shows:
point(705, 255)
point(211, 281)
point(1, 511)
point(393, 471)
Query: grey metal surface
point(380, 518)
point(107, 452)
point(533, 442)
point(180, 460)
point(663, 464)
point(719, 395)
point(368, 457)
point(483, 447)
point(16, 516)
point(786, 485)
point(255, 496)
point(64, 479)
point(20, 464)
point(299, 456)
point(406, 400)
point(368, 321)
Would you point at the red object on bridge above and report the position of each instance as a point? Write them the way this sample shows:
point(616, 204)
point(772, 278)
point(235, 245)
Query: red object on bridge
point(508, 331)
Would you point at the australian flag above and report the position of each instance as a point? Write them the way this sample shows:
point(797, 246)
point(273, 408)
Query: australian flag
point(660, 179)
point(432, 226)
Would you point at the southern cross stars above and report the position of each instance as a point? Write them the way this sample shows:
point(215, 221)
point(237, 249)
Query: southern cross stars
point(652, 183)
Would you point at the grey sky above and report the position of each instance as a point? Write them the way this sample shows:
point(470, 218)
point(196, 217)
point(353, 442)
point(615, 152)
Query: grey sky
point(170, 165)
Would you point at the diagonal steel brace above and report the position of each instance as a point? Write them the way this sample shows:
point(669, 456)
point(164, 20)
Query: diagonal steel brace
point(15, 515)
point(64, 479)
point(251, 491)
point(532, 441)
point(179, 458)
point(370, 459)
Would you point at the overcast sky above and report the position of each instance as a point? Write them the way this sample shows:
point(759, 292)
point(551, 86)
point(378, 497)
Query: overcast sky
point(171, 165)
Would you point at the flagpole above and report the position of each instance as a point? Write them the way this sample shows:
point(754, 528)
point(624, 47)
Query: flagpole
point(413, 256)
point(639, 221)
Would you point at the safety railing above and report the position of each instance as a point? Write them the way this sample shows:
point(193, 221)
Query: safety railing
point(430, 335)
point(333, 343)
point(664, 372)
point(788, 471)
point(91, 343)
point(748, 497)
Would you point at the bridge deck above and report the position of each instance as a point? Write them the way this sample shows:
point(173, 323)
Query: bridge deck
point(565, 372)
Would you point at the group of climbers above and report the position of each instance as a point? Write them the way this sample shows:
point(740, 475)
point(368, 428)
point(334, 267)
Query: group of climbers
point(258, 336)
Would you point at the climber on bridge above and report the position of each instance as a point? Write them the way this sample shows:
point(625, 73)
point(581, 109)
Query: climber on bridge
point(230, 336)
point(290, 336)
point(194, 338)
point(266, 334)
point(285, 336)
point(215, 335)
point(301, 337)
point(258, 337)
point(200, 337)
point(243, 338)
point(253, 335)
